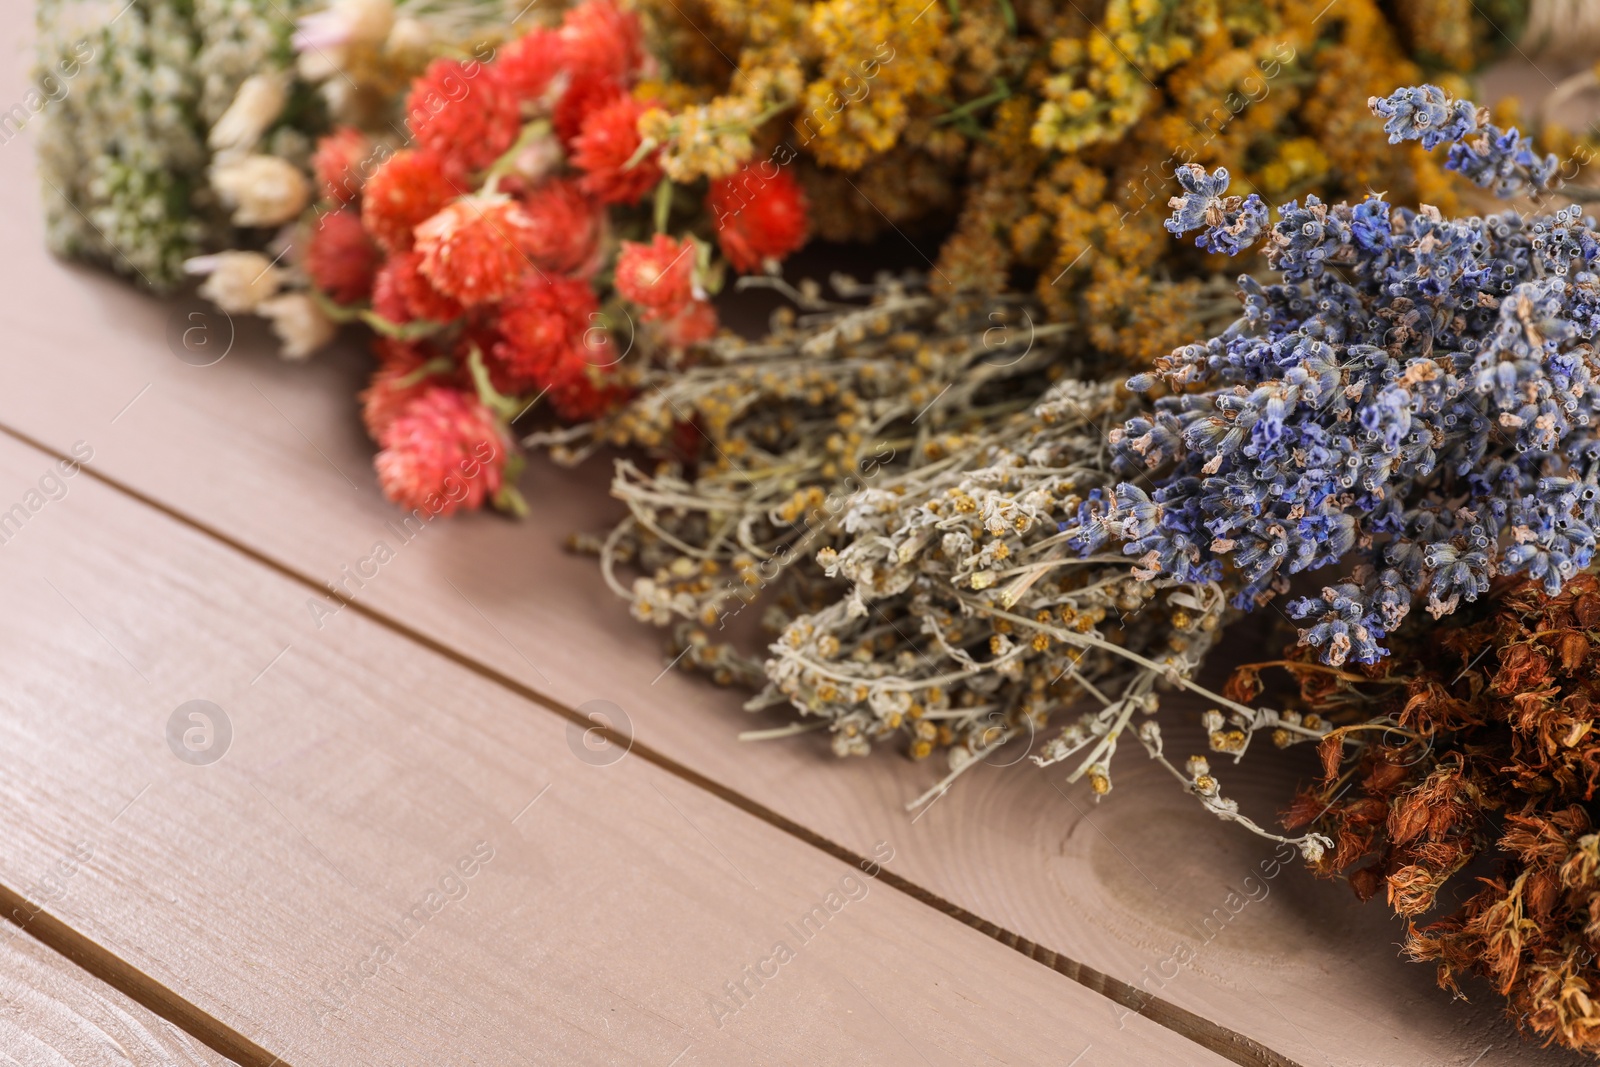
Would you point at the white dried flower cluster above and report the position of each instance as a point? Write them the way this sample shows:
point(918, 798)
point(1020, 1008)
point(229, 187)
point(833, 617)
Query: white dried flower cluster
point(122, 153)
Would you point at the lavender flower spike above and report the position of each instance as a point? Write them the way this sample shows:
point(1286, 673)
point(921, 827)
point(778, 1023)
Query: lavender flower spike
point(1427, 114)
point(1231, 224)
point(1490, 157)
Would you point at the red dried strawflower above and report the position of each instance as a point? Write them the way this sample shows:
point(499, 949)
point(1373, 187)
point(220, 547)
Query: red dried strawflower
point(466, 119)
point(340, 163)
point(541, 326)
point(395, 384)
point(442, 453)
point(694, 322)
point(407, 189)
point(387, 300)
point(566, 226)
point(471, 249)
point(340, 257)
point(758, 216)
point(401, 293)
point(659, 275)
point(600, 38)
point(584, 95)
point(605, 146)
point(527, 65)
point(579, 392)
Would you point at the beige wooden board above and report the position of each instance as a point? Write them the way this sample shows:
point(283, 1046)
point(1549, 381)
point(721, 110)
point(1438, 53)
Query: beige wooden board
point(52, 1013)
point(395, 861)
point(272, 455)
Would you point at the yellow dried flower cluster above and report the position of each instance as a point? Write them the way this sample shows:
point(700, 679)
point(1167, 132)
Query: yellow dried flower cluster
point(1459, 33)
point(876, 57)
point(1050, 132)
point(1106, 78)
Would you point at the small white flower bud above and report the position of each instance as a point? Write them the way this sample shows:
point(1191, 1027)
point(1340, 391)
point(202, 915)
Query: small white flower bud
point(237, 282)
point(299, 323)
point(1312, 848)
point(256, 105)
point(409, 37)
point(262, 190)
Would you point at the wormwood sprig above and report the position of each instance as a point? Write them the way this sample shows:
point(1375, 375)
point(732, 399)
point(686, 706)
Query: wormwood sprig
point(968, 619)
point(765, 443)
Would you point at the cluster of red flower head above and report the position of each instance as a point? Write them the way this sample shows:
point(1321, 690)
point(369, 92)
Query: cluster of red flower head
point(493, 225)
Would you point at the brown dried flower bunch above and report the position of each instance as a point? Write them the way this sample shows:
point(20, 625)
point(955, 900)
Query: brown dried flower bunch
point(1462, 785)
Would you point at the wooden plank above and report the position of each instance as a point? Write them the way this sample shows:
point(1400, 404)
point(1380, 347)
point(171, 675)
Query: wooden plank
point(51, 1012)
point(272, 456)
point(364, 853)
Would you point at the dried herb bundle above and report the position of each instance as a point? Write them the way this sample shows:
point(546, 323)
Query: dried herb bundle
point(1051, 131)
point(1472, 751)
point(893, 444)
point(763, 443)
point(1411, 400)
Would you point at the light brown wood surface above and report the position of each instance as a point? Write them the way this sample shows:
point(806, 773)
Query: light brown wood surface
point(51, 1012)
point(601, 906)
point(363, 762)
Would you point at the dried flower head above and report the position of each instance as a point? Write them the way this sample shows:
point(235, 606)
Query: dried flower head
point(444, 451)
point(408, 188)
point(471, 249)
point(1472, 751)
point(760, 215)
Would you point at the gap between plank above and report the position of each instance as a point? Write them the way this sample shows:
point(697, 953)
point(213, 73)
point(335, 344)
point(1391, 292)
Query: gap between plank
point(125, 978)
point(1229, 1044)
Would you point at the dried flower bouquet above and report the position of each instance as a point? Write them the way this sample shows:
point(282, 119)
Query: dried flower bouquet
point(1411, 402)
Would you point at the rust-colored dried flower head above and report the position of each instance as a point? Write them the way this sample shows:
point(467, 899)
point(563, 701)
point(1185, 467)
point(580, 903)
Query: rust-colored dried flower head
point(1461, 784)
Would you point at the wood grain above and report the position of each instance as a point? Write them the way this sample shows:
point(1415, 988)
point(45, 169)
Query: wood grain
point(53, 1013)
point(393, 860)
point(272, 456)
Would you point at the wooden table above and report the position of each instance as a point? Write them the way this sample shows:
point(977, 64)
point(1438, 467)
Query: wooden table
point(408, 852)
